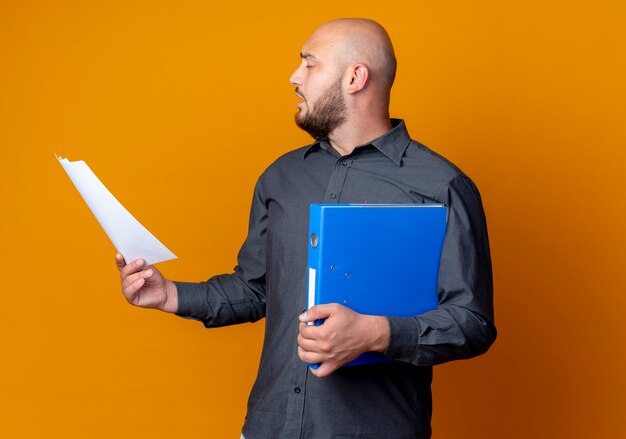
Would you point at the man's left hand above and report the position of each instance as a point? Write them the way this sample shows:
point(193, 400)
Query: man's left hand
point(342, 337)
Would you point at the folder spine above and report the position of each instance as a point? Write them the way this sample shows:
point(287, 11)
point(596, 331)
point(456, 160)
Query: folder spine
point(314, 251)
point(314, 271)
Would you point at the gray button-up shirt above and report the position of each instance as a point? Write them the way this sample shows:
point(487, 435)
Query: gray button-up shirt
point(387, 400)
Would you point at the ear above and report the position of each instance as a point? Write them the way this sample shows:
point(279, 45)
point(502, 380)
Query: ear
point(358, 75)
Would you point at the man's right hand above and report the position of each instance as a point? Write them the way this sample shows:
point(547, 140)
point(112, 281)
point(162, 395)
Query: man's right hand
point(144, 286)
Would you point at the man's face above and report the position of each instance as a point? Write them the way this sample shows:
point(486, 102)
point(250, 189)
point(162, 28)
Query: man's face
point(318, 84)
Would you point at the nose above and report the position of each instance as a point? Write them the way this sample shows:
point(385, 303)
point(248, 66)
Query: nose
point(295, 79)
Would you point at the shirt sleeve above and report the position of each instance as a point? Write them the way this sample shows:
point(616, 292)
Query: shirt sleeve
point(238, 297)
point(462, 326)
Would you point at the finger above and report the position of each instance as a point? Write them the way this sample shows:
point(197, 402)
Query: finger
point(133, 267)
point(312, 332)
point(120, 262)
point(131, 291)
point(309, 345)
point(309, 357)
point(144, 274)
point(317, 312)
point(302, 325)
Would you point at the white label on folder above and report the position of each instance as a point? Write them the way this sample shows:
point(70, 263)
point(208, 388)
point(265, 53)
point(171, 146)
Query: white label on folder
point(311, 288)
point(311, 296)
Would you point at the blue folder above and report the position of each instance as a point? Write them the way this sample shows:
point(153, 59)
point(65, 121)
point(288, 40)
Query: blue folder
point(377, 259)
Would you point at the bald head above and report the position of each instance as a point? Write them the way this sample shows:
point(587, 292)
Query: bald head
point(344, 82)
point(362, 41)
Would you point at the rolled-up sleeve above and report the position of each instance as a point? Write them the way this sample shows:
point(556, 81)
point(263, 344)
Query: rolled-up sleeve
point(462, 326)
point(237, 297)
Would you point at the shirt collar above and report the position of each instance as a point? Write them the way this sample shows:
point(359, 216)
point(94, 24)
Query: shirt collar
point(393, 143)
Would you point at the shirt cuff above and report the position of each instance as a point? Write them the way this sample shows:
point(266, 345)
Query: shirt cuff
point(403, 338)
point(191, 300)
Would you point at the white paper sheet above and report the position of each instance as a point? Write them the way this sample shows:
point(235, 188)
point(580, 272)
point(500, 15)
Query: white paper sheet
point(128, 236)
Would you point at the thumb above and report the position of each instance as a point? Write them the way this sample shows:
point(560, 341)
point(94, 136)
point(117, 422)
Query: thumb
point(120, 261)
point(316, 312)
point(324, 370)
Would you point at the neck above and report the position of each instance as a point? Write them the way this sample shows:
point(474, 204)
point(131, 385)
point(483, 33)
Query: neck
point(358, 131)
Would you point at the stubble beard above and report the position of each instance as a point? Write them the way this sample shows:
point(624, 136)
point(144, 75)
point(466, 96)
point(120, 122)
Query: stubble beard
point(327, 114)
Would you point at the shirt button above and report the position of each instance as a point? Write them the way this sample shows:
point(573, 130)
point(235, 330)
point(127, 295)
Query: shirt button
point(297, 390)
point(344, 163)
point(333, 196)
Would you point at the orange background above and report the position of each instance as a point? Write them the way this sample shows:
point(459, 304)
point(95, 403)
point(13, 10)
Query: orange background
point(527, 97)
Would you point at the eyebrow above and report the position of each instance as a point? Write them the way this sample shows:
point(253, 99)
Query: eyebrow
point(305, 55)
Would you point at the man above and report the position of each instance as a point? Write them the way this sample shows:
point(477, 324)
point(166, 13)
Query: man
point(360, 156)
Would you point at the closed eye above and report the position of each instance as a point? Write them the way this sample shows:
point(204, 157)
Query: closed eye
point(307, 58)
